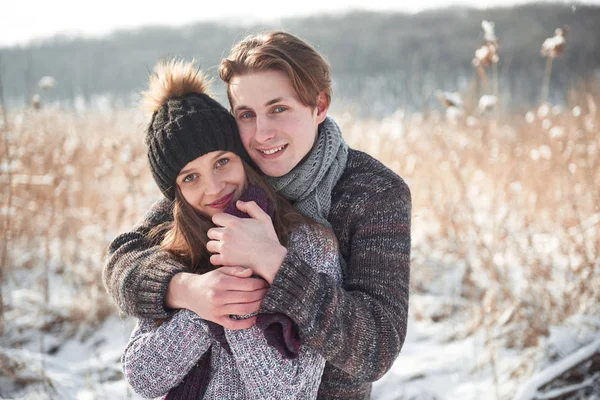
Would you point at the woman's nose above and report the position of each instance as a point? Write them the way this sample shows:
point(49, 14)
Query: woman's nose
point(214, 185)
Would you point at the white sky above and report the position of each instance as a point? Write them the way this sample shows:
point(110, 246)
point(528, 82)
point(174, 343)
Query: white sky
point(24, 20)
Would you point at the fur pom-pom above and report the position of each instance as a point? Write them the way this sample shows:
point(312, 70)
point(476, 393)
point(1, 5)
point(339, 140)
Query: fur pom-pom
point(173, 78)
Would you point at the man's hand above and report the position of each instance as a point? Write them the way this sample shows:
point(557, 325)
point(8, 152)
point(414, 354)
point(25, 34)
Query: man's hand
point(217, 294)
point(251, 242)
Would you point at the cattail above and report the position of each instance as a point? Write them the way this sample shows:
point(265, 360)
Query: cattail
point(36, 101)
point(454, 114)
point(554, 47)
point(487, 55)
point(47, 82)
point(487, 103)
point(449, 99)
point(488, 32)
point(453, 103)
point(592, 107)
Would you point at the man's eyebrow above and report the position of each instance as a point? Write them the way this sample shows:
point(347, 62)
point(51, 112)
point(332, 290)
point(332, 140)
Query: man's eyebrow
point(275, 100)
point(268, 103)
point(240, 107)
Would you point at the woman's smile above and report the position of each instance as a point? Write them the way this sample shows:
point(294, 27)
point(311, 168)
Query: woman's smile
point(222, 202)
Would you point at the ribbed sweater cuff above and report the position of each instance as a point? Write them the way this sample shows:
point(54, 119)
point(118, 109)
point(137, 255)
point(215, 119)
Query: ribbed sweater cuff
point(151, 298)
point(293, 290)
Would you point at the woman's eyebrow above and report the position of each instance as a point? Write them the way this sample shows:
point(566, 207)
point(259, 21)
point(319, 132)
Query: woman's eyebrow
point(219, 154)
point(185, 171)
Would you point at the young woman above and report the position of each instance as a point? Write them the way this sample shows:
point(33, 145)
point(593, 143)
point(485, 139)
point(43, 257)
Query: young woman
point(198, 161)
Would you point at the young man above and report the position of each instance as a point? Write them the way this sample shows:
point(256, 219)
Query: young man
point(279, 89)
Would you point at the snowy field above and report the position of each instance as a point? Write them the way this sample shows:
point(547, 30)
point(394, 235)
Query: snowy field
point(506, 251)
point(433, 364)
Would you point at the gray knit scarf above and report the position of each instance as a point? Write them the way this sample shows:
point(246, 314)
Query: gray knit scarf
point(309, 185)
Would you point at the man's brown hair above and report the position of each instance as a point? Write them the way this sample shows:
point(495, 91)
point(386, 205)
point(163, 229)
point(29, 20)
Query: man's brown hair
point(306, 69)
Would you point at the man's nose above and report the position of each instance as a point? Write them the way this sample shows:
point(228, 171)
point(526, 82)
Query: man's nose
point(264, 130)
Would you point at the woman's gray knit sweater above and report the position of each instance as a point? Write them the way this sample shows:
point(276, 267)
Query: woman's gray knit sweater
point(157, 359)
point(358, 326)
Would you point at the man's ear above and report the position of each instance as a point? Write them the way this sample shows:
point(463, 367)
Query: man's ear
point(323, 102)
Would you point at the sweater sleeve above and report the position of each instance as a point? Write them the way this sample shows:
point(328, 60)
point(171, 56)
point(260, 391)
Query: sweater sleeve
point(266, 373)
point(158, 358)
point(358, 326)
point(137, 272)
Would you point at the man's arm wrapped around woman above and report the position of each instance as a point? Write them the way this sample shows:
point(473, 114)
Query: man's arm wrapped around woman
point(158, 357)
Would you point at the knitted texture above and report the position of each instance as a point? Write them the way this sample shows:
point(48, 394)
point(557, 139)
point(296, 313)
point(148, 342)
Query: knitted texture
point(256, 194)
point(196, 382)
point(173, 356)
point(185, 128)
point(279, 329)
point(308, 186)
point(359, 326)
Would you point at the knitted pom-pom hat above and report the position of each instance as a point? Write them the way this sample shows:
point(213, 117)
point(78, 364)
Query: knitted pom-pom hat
point(186, 122)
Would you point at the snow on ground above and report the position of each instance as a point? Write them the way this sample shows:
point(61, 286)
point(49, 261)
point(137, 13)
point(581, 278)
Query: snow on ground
point(433, 366)
point(435, 363)
point(442, 358)
point(82, 368)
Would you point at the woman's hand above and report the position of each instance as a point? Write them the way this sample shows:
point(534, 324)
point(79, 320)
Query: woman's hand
point(251, 242)
point(217, 294)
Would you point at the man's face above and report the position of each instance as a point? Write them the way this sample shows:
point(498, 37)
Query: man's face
point(277, 130)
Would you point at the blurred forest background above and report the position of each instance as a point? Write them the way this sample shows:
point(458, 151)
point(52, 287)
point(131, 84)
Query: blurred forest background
point(380, 61)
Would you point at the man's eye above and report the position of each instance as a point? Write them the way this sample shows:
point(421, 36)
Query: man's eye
point(190, 178)
point(246, 115)
point(222, 162)
point(279, 109)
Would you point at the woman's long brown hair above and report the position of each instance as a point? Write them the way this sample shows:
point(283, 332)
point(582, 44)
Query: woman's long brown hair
point(186, 236)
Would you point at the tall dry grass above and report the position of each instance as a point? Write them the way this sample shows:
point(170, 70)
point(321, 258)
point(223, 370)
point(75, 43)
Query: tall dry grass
point(69, 183)
point(506, 216)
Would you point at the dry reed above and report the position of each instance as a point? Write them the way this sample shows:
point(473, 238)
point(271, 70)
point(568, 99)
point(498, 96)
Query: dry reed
point(69, 184)
point(508, 214)
point(505, 215)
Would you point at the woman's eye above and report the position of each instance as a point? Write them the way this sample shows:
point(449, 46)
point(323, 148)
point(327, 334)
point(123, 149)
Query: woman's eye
point(222, 162)
point(190, 178)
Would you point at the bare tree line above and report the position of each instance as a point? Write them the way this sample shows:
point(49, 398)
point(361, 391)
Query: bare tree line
point(381, 60)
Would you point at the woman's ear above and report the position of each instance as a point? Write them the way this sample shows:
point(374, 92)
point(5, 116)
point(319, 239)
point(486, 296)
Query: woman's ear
point(323, 102)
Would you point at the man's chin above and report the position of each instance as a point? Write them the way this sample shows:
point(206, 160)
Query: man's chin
point(273, 171)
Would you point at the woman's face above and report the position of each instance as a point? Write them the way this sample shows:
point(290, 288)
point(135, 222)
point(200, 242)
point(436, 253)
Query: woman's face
point(213, 181)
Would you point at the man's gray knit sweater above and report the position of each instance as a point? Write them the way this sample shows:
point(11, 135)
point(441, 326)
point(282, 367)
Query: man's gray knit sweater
point(359, 326)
